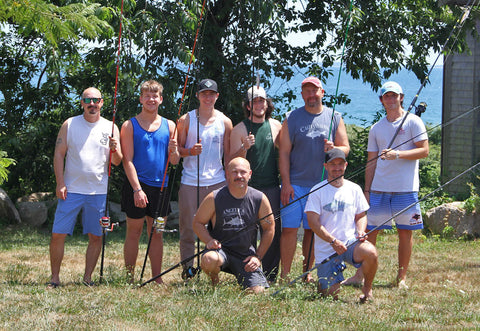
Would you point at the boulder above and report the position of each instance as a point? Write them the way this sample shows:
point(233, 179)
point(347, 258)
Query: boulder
point(33, 213)
point(8, 212)
point(452, 214)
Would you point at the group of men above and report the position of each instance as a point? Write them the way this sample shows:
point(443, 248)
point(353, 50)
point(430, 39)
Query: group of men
point(307, 155)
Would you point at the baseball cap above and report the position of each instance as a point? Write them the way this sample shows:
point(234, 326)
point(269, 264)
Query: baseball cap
point(207, 85)
point(258, 92)
point(312, 80)
point(335, 153)
point(391, 86)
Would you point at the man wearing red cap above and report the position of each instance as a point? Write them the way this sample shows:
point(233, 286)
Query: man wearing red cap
point(307, 133)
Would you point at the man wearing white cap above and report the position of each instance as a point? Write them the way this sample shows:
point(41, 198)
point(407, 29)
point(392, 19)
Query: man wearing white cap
point(204, 140)
point(256, 139)
point(307, 133)
point(392, 183)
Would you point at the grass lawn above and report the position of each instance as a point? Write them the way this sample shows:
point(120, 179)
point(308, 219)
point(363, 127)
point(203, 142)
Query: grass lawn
point(444, 293)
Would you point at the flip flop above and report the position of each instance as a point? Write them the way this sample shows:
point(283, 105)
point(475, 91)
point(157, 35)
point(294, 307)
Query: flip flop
point(52, 285)
point(89, 284)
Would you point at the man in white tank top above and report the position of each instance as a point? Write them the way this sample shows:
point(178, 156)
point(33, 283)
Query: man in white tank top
point(82, 154)
point(203, 173)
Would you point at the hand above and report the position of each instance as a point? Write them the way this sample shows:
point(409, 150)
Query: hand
point(248, 141)
point(140, 199)
point(328, 145)
point(287, 193)
point(361, 236)
point(389, 154)
point(61, 192)
point(213, 244)
point(113, 144)
point(339, 247)
point(172, 146)
point(253, 263)
point(196, 149)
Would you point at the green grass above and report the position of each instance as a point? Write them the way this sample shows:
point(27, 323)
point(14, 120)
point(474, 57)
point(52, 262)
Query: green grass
point(444, 292)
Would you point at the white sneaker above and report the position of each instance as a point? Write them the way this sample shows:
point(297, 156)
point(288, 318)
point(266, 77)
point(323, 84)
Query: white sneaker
point(402, 285)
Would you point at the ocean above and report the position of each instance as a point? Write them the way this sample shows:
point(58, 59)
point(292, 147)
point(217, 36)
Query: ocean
point(364, 101)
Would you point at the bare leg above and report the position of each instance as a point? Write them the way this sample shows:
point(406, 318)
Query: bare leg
point(57, 245)
point(93, 252)
point(357, 279)
point(211, 263)
point(156, 251)
point(333, 291)
point(288, 244)
point(130, 248)
point(308, 255)
point(405, 244)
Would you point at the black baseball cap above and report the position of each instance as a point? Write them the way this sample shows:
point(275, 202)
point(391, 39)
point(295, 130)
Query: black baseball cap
point(335, 153)
point(207, 85)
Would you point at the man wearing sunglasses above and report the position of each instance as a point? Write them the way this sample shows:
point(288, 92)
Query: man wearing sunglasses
point(83, 150)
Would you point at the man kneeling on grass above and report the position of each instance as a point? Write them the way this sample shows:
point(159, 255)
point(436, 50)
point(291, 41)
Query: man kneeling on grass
point(335, 212)
point(232, 213)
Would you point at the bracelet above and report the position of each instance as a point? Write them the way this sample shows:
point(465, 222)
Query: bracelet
point(397, 155)
point(190, 151)
point(257, 256)
point(366, 191)
point(114, 150)
point(333, 241)
point(137, 190)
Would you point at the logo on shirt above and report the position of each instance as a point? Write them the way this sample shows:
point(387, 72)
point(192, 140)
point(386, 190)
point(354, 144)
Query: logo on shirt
point(336, 206)
point(232, 219)
point(104, 139)
point(313, 131)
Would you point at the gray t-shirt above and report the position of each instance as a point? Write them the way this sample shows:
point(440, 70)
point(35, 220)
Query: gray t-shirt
point(307, 133)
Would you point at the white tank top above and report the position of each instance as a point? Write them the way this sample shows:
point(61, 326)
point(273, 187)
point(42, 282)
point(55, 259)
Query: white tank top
point(86, 165)
point(211, 167)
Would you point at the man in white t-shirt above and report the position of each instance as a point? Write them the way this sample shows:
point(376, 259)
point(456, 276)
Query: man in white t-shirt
point(82, 152)
point(392, 183)
point(336, 213)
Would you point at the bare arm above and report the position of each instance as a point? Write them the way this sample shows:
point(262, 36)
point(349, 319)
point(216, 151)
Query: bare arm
point(370, 172)
point(420, 151)
point(284, 164)
point(239, 142)
point(59, 161)
point(226, 139)
point(205, 213)
point(115, 146)
point(361, 225)
point(275, 126)
point(126, 138)
point(268, 226)
point(172, 145)
point(341, 138)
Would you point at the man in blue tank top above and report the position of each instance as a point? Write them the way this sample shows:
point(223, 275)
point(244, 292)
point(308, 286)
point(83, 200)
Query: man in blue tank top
point(147, 140)
point(307, 133)
point(232, 214)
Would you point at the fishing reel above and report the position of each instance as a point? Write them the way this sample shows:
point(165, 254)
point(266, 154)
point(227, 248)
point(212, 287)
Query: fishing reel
point(159, 225)
point(421, 108)
point(107, 225)
point(190, 272)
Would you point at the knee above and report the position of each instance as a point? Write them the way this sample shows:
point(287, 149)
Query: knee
point(94, 240)
point(210, 261)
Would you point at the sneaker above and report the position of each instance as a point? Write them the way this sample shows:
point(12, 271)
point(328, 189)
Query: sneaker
point(402, 285)
point(189, 273)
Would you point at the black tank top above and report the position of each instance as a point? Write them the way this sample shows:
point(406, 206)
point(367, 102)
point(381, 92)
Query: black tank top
point(236, 221)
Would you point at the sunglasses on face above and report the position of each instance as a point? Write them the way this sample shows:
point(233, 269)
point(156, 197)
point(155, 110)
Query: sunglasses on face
point(88, 100)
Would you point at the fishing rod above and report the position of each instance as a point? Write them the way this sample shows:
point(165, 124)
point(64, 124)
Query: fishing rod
point(333, 112)
point(105, 223)
point(353, 174)
point(458, 25)
point(377, 227)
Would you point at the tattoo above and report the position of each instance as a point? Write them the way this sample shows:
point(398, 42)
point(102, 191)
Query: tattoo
point(59, 141)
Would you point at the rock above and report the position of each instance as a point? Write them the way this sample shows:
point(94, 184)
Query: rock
point(451, 214)
point(36, 197)
point(33, 213)
point(8, 212)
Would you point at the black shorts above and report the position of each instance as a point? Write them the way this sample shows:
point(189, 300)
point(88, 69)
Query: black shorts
point(158, 201)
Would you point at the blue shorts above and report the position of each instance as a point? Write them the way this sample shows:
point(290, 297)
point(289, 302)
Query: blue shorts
point(235, 266)
point(383, 205)
point(293, 214)
point(92, 207)
point(331, 272)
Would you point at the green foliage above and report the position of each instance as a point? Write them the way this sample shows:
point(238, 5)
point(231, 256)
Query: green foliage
point(472, 203)
point(5, 162)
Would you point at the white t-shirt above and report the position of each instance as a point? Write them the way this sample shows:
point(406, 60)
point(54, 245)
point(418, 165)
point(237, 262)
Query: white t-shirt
point(86, 165)
point(337, 207)
point(396, 175)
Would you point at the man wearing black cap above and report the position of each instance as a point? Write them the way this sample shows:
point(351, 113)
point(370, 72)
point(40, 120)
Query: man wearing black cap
point(307, 133)
point(336, 214)
point(204, 140)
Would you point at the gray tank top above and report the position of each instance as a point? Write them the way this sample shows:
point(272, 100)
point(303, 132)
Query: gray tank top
point(236, 221)
point(307, 133)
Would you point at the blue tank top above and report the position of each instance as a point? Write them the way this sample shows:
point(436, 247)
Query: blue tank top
point(307, 133)
point(150, 153)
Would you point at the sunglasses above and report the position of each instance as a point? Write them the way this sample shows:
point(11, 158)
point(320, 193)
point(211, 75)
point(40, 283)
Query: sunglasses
point(88, 100)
